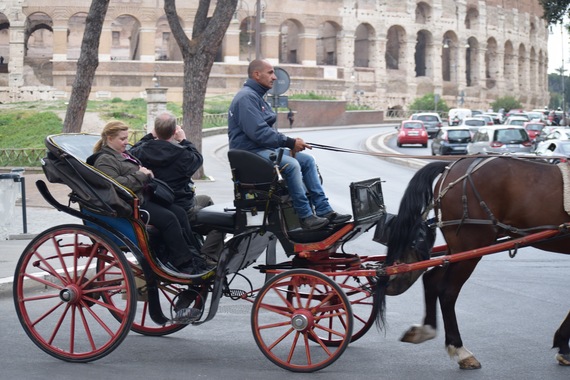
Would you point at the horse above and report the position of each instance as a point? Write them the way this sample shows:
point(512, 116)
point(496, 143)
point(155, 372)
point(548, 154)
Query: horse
point(476, 201)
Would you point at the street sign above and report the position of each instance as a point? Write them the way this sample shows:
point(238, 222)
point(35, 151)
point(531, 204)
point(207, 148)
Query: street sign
point(281, 85)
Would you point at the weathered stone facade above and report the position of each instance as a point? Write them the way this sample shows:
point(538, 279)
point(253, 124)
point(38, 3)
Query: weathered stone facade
point(383, 53)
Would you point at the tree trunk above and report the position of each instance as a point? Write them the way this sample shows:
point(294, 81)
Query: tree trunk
point(86, 66)
point(198, 54)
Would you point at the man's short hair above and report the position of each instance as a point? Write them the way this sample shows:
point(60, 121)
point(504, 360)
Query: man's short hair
point(255, 65)
point(165, 126)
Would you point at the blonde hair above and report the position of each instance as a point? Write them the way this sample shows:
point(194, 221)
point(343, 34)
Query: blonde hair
point(111, 129)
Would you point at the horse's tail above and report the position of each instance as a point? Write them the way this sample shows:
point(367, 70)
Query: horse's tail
point(417, 197)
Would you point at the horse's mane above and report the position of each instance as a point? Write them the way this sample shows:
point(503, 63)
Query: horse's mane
point(417, 197)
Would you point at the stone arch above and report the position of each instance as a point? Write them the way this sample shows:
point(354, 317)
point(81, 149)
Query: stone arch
point(362, 37)
point(247, 39)
point(165, 46)
point(449, 57)
point(423, 13)
point(38, 36)
point(327, 46)
point(509, 66)
point(4, 42)
point(125, 38)
point(533, 69)
point(395, 47)
point(472, 18)
point(289, 42)
point(75, 29)
point(472, 62)
point(423, 55)
point(492, 64)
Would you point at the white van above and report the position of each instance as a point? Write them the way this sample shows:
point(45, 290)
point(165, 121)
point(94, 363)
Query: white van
point(455, 115)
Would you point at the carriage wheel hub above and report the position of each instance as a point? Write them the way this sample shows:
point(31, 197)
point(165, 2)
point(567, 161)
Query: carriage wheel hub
point(302, 320)
point(69, 294)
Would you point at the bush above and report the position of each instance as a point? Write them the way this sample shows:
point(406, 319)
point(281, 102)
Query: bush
point(506, 103)
point(427, 103)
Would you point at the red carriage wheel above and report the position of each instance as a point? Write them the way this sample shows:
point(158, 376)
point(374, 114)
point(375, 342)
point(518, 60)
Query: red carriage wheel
point(143, 323)
point(289, 315)
point(60, 293)
point(359, 291)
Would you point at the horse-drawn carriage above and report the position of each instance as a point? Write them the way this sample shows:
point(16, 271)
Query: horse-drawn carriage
point(80, 288)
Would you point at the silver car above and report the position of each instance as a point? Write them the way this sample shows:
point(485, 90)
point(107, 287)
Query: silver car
point(431, 121)
point(500, 139)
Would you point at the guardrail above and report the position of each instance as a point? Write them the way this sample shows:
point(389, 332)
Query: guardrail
point(21, 156)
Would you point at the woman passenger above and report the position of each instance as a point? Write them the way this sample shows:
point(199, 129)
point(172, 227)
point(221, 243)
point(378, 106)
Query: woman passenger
point(110, 157)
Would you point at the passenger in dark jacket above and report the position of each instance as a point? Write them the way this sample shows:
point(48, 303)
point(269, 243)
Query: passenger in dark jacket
point(111, 158)
point(174, 159)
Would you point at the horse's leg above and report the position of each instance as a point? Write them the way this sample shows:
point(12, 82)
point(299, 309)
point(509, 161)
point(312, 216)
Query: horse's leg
point(456, 275)
point(420, 333)
point(561, 338)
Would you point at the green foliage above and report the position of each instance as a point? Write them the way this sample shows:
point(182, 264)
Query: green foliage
point(554, 11)
point(27, 129)
point(116, 100)
point(311, 96)
point(427, 103)
point(357, 107)
point(507, 103)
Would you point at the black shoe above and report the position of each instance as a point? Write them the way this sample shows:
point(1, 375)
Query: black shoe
point(313, 222)
point(336, 218)
point(186, 268)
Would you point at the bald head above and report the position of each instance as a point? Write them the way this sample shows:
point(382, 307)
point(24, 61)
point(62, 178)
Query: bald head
point(165, 126)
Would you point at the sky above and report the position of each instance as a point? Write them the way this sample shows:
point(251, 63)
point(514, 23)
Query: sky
point(558, 49)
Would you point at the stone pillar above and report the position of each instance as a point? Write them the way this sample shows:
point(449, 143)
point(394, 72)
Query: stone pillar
point(308, 48)
point(270, 44)
point(230, 46)
point(155, 104)
point(60, 42)
point(16, 63)
point(147, 44)
point(105, 44)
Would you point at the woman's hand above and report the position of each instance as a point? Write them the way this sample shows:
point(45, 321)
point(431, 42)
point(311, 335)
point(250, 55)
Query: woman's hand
point(146, 171)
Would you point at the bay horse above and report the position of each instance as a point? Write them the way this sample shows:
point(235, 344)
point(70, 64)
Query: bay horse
point(475, 201)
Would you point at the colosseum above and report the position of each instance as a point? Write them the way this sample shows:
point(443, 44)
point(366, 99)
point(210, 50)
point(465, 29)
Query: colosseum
point(382, 53)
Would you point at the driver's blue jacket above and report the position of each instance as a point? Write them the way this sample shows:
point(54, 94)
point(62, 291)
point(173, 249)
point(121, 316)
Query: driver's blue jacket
point(251, 119)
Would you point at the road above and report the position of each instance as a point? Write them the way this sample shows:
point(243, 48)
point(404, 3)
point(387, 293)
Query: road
point(508, 311)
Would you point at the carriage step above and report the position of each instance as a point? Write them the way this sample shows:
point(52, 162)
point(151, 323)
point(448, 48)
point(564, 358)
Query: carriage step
point(187, 315)
point(234, 294)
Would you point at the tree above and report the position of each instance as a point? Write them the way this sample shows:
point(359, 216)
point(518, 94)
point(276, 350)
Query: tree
point(86, 66)
point(198, 54)
point(506, 103)
point(427, 103)
point(554, 11)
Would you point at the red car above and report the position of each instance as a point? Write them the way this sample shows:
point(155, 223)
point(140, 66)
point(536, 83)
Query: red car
point(412, 132)
point(533, 129)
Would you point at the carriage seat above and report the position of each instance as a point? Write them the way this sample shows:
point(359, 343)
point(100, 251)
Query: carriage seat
point(249, 168)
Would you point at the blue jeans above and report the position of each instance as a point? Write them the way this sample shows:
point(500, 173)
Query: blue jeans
point(302, 177)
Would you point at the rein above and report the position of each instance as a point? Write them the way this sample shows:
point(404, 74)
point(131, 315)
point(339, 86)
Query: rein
point(439, 158)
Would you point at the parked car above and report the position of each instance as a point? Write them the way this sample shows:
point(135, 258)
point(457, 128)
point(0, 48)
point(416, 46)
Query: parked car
point(558, 148)
point(451, 140)
point(533, 128)
point(431, 121)
point(473, 123)
point(455, 115)
point(412, 132)
point(487, 118)
point(500, 139)
point(497, 117)
point(559, 133)
point(516, 120)
point(537, 116)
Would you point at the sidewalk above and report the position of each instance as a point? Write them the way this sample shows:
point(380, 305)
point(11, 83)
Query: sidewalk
point(41, 216)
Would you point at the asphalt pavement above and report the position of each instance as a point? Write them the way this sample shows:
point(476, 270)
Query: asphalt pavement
point(39, 215)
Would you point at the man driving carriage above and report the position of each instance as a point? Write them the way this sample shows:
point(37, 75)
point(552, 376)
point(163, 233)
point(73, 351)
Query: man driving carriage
point(250, 127)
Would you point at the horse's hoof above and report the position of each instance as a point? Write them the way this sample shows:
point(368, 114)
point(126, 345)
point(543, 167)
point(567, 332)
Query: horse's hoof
point(469, 363)
point(418, 334)
point(563, 359)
